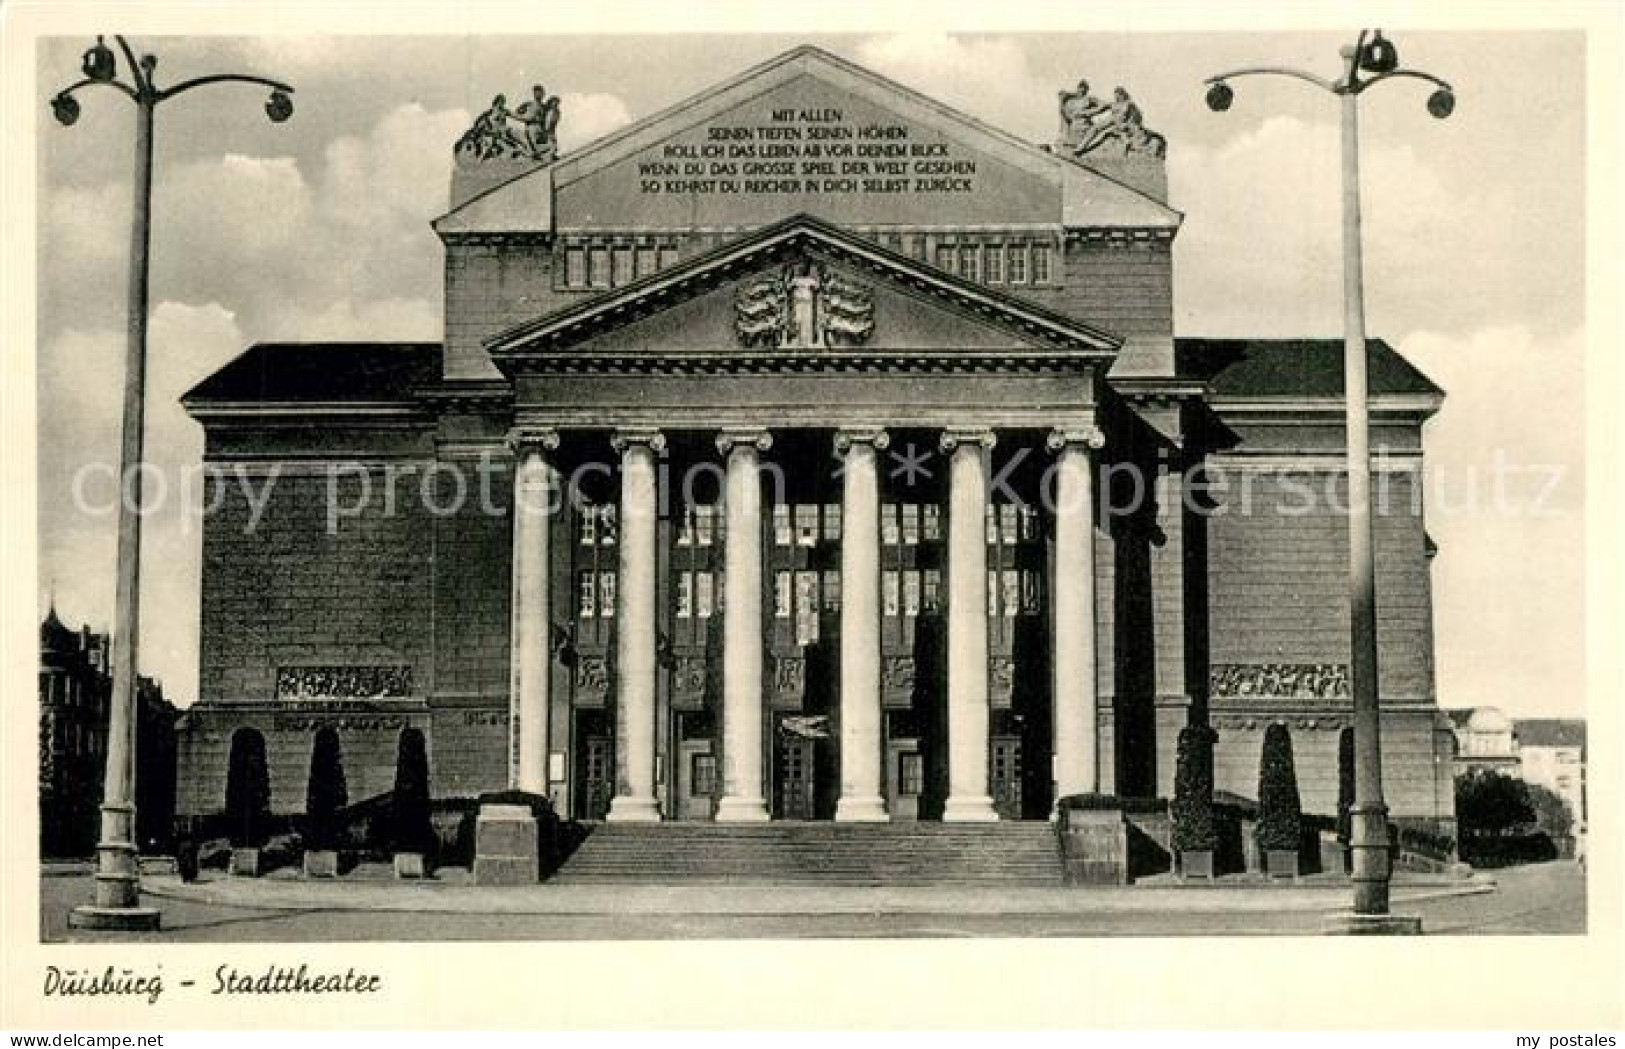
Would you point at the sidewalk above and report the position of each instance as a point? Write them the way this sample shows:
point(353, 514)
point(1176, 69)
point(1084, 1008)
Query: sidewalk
point(762, 900)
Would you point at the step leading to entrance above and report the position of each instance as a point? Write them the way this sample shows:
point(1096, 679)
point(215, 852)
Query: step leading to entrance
point(1015, 853)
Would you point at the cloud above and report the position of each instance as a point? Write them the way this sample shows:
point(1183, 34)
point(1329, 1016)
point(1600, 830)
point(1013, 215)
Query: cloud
point(589, 117)
point(81, 382)
point(1263, 254)
point(1002, 91)
point(1510, 573)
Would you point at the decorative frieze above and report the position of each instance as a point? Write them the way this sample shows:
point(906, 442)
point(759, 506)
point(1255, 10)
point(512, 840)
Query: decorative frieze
point(343, 682)
point(1279, 681)
point(1259, 722)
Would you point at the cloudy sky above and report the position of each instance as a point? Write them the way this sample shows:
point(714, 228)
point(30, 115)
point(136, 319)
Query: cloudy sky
point(319, 229)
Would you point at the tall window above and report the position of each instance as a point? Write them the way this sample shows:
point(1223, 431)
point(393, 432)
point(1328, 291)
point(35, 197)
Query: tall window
point(1041, 258)
point(647, 260)
point(1015, 257)
point(995, 264)
point(598, 265)
point(575, 266)
point(970, 261)
point(623, 264)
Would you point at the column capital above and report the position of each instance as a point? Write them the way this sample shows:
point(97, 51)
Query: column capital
point(1090, 437)
point(953, 437)
point(523, 440)
point(846, 437)
point(760, 438)
point(621, 440)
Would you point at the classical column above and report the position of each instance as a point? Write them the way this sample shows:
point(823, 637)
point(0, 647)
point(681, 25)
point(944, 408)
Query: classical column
point(860, 627)
point(742, 799)
point(530, 631)
point(1077, 769)
point(968, 710)
point(635, 630)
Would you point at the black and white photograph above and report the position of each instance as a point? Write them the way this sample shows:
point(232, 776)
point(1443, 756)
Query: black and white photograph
point(886, 485)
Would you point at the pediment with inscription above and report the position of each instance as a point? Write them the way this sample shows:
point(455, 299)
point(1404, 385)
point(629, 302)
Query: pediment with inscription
point(808, 133)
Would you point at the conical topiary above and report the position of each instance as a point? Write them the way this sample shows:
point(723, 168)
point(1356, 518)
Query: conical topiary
point(248, 790)
point(325, 791)
point(1280, 816)
point(412, 828)
point(1192, 806)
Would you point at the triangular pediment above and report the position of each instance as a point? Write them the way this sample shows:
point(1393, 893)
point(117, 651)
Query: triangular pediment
point(807, 133)
point(802, 293)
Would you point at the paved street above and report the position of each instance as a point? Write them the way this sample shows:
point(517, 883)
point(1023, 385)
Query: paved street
point(1545, 898)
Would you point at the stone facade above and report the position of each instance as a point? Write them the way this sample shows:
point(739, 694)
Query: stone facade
point(946, 371)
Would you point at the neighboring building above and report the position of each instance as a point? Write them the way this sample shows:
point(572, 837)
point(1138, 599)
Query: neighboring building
point(1484, 740)
point(75, 684)
point(918, 322)
point(1552, 754)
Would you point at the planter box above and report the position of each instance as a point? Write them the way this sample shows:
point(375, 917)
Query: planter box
point(1333, 856)
point(1196, 864)
point(506, 846)
point(1281, 863)
point(321, 863)
point(245, 862)
point(410, 865)
point(1094, 846)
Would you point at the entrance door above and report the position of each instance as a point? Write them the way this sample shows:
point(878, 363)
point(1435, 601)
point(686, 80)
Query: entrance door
point(696, 780)
point(905, 779)
point(1006, 777)
point(794, 778)
point(597, 777)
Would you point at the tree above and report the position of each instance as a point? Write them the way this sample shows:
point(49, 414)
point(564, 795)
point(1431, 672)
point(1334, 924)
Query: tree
point(1345, 785)
point(326, 791)
point(413, 828)
point(1280, 815)
point(1489, 802)
point(248, 790)
point(1552, 812)
point(1192, 807)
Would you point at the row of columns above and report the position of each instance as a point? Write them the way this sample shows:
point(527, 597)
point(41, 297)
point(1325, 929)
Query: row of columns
point(861, 755)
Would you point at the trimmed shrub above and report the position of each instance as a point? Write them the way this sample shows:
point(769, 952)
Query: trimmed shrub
point(411, 825)
point(1345, 785)
point(1280, 815)
point(248, 790)
point(326, 792)
point(1192, 808)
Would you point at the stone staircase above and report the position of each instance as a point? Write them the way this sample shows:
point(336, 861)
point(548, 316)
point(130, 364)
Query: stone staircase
point(792, 853)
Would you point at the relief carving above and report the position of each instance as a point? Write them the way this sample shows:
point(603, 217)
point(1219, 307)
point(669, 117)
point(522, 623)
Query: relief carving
point(898, 673)
point(360, 682)
point(804, 306)
point(789, 675)
point(592, 676)
point(1279, 680)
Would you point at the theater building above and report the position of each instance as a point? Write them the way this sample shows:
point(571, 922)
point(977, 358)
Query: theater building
point(806, 451)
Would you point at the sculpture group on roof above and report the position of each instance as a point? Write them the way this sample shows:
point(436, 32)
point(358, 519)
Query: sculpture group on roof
point(1092, 127)
point(527, 133)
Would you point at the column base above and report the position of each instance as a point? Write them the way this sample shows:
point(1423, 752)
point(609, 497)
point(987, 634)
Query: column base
point(626, 809)
point(742, 810)
point(1374, 925)
point(861, 810)
point(969, 809)
point(114, 919)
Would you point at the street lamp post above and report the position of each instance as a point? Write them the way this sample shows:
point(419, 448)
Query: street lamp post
point(1376, 57)
point(118, 877)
